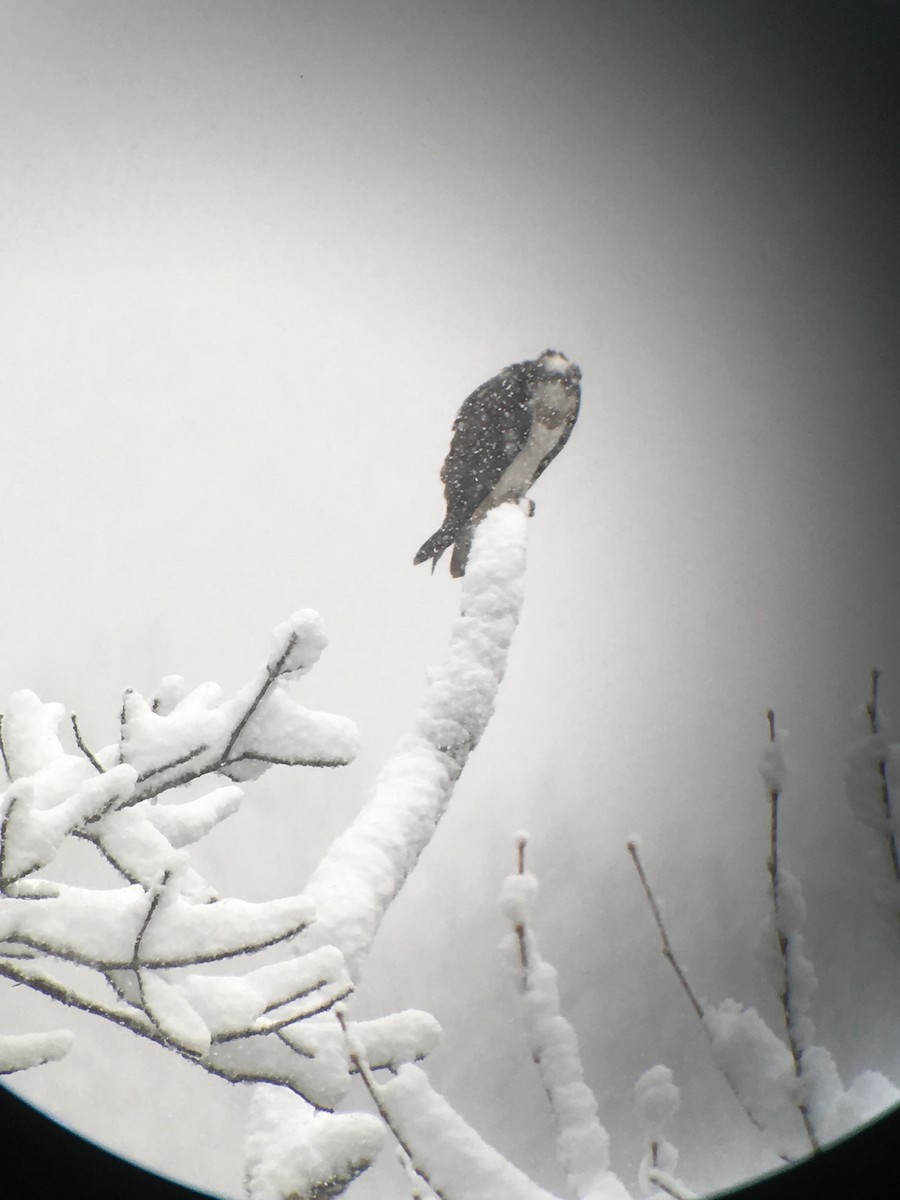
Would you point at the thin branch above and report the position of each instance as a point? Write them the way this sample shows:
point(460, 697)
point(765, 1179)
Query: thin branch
point(3, 750)
point(521, 935)
point(4, 823)
point(125, 696)
point(79, 741)
point(277, 1025)
point(669, 1185)
point(196, 958)
point(57, 991)
point(145, 924)
point(362, 1069)
point(252, 756)
point(668, 952)
point(272, 673)
point(886, 799)
point(140, 1025)
point(785, 996)
point(188, 755)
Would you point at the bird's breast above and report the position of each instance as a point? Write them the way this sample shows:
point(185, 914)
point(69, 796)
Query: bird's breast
point(553, 404)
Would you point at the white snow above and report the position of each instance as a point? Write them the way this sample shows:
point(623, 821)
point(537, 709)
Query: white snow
point(179, 731)
point(446, 1149)
point(321, 1065)
point(33, 835)
point(293, 1152)
point(297, 643)
point(863, 781)
point(230, 1004)
point(101, 927)
point(22, 1051)
point(759, 1067)
point(366, 866)
point(173, 1015)
point(656, 1099)
point(30, 734)
point(582, 1143)
point(518, 898)
point(834, 1109)
point(282, 731)
point(182, 824)
point(136, 846)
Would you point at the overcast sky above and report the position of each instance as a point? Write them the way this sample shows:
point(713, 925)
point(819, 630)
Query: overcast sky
point(254, 256)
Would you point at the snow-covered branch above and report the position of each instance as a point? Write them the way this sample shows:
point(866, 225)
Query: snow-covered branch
point(868, 780)
point(22, 1051)
point(657, 1099)
point(582, 1143)
point(743, 1047)
point(367, 865)
point(450, 1154)
point(142, 941)
point(795, 978)
point(789, 1087)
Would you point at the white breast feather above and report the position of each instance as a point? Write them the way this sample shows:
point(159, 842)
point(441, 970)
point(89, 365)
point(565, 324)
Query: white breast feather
point(552, 405)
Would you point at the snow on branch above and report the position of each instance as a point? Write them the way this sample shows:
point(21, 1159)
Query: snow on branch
point(367, 865)
point(656, 1100)
point(827, 1109)
point(144, 939)
point(22, 1051)
point(789, 1088)
point(795, 979)
point(290, 1155)
point(456, 1162)
point(582, 1143)
point(754, 1062)
point(868, 779)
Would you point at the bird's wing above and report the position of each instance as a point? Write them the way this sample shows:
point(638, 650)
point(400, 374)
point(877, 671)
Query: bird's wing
point(489, 431)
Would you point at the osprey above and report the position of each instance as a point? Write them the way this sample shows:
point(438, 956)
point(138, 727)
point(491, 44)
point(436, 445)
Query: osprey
point(504, 436)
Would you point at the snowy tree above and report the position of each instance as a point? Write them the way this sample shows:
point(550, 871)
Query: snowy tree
point(160, 952)
point(788, 1086)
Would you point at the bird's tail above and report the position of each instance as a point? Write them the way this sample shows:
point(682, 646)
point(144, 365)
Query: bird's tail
point(435, 546)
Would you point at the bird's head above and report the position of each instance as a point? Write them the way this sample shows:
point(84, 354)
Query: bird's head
point(554, 362)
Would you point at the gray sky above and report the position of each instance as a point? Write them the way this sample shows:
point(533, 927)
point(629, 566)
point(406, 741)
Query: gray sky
point(254, 257)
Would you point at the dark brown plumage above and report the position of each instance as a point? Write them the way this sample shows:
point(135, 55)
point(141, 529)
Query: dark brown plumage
point(504, 436)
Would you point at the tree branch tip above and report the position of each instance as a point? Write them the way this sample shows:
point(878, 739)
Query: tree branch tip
point(521, 843)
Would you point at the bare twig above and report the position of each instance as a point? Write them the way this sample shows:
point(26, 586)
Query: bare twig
point(886, 799)
point(178, 761)
point(668, 952)
point(145, 924)
point(3, 750)
point(4, 825)
point(271, 674)
point(667, 1184)
point(276, 1025)
point(365, 1074)
point(122, 722)
point(785, 996)
point(136, 1022)
point(79, 741)
point(521, 935)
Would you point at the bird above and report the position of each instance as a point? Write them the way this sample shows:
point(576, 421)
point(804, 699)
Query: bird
point(504, 436)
